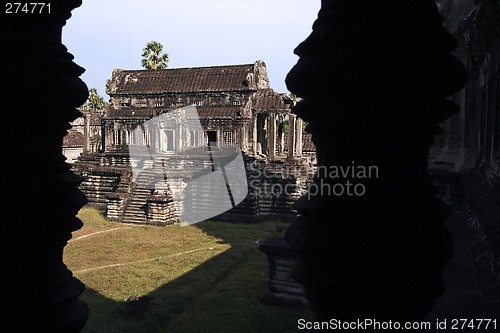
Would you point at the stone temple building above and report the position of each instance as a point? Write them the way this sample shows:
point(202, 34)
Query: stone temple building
point(235, 107)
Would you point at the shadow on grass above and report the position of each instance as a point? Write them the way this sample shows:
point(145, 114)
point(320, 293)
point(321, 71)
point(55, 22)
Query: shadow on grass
point(220, 295)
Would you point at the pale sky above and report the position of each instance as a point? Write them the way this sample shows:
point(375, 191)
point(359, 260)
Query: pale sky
point(110, 34)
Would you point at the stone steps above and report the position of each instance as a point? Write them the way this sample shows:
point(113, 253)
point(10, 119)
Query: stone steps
point(132, 206)
point(137, 206)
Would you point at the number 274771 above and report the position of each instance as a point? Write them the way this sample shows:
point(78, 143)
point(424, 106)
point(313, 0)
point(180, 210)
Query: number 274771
point(27, 8)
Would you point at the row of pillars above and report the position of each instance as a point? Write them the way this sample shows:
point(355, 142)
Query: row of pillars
point(294, 146)
point(118, 135)
point(294, 136)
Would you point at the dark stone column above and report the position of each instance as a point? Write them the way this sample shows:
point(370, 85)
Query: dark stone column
point(40, 92)
point(373, 77)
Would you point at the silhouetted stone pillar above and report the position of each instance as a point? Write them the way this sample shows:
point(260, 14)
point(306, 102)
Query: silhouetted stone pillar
point(40, 92)
point(373, 77)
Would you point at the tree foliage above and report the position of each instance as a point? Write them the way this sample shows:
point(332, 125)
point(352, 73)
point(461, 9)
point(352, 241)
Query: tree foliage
point(95, 102)
point(154, 57)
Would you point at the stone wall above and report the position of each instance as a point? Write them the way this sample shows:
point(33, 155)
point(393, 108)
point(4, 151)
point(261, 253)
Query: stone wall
point(471, 138)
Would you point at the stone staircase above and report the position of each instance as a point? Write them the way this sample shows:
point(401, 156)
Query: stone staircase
point(273, 187)
point(148, 185)
point(136, 206)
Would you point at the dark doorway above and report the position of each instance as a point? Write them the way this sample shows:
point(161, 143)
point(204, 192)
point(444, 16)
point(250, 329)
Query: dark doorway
point(169, 144)
point(212, 138)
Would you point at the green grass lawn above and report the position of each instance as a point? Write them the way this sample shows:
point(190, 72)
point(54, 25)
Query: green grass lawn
point(207, 277)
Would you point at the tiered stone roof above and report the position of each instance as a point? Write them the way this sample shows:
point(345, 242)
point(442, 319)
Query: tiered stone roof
point(230, 78)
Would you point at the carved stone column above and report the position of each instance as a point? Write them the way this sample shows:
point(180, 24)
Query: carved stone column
point(272, 136)
point(40, 92)
point(123, 134)
point(373, 77)
point(106, 135)
point(86, 132)
point(298, 144)
point(254, 134)
point(243, 140)
point(291, 136)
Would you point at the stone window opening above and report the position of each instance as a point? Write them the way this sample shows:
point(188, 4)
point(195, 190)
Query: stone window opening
point(228, 138)
point(117, 137)
point(146, 137)
point(194, 138)
point(125, 102)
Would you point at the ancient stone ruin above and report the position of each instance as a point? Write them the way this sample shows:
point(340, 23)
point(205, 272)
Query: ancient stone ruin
point(237, 109)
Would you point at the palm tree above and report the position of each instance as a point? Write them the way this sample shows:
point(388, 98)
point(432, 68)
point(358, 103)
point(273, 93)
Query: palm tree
point(94, 102)
point(153, 55)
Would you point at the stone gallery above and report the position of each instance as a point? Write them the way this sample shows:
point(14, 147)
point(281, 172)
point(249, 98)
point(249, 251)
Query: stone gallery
point(234, 107)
